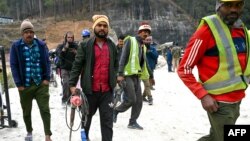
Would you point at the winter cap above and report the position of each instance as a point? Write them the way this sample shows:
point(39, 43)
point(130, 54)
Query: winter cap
point(26, 25)
point(145, 26)
point(220, 2)
point(99, 18)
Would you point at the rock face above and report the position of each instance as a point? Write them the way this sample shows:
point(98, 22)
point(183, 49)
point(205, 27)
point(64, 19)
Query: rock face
point(168, 21)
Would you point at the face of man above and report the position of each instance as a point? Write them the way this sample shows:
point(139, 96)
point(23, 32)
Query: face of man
point(144, 34)
point(101, 30)
point(230, 12)
point(70, 38)
point(28, 36)
point(120, 43)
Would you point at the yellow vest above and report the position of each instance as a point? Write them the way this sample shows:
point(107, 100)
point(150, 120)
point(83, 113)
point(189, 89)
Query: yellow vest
point(229, 76)
point(133, 65)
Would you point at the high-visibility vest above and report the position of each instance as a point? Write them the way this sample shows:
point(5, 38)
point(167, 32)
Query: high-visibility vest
point(229, 76)
point(133, 65)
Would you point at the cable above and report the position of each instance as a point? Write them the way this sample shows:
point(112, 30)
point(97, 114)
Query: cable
point(82, 110)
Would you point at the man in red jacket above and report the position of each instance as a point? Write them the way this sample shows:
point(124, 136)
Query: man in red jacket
point(218, 49)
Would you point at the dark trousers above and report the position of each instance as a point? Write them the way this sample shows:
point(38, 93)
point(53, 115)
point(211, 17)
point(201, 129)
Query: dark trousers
point(169, 66)
point(65, 84)
point(101, 100)
point(134, 98)
point(41, 95)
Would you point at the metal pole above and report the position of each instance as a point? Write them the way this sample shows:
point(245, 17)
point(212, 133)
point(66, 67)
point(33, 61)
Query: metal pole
point(6, 90)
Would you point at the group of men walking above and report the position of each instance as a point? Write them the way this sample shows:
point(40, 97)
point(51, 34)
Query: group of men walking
point(221, 38)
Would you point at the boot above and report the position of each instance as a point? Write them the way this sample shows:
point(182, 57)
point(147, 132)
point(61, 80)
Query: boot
point(150, 100)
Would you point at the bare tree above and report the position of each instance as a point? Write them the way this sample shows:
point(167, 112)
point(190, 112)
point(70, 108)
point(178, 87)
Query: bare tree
point(91, 6)
point(40, 9)
point(17, 11)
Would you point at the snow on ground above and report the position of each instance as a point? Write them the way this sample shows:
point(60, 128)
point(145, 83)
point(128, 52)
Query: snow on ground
point(176, 115)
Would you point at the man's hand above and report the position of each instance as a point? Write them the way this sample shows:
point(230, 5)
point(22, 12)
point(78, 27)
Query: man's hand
point(20, 88)
point(65, 47)
point(209, 104)
point(152, 81)
point(45, 82)
point(120, 79)
point(73, 90)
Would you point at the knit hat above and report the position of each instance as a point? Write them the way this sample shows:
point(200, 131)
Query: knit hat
point(144, 26)
point(26, 26)
point(220, 2)
point(99, 18)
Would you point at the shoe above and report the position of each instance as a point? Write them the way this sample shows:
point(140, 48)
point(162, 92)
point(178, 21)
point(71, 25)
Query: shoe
point(150, 102)
point(47, 138)
point(135, 126)
point(152, 88)
point(145, 99)
point(28, 137)
point(115, 113)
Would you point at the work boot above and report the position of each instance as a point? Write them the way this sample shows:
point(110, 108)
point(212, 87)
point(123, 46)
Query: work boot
point(135, 126)
point(150, 100)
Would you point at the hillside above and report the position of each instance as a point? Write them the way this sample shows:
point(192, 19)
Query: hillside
point(169, 22)
point(52, 31)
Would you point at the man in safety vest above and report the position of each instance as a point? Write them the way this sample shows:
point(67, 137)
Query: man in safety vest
point(220, 50)
point(133, 65)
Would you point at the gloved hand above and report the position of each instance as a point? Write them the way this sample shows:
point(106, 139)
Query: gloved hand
point(76, 101)
point(152, 81)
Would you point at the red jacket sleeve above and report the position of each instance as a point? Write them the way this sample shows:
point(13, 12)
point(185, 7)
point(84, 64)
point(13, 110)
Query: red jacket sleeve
point(194, 52)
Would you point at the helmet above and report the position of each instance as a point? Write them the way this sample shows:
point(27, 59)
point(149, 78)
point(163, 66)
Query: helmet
point(85, 32)
point(220, 2)
point(145, 26)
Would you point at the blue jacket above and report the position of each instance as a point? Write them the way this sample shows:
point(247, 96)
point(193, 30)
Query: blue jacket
point(17, 63)
point(169, 55)
point(152, 56)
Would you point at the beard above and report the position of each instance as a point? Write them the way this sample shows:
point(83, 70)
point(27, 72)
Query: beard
point(231, 18)
point(100, 34)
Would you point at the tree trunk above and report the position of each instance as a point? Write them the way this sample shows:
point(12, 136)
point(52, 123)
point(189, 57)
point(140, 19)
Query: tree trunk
point(18, 11)
point(55, 9)
point(91, 6)
point(40, 9)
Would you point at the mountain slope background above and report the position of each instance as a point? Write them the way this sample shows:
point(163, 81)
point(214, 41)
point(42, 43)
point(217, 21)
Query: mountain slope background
point(171, 20)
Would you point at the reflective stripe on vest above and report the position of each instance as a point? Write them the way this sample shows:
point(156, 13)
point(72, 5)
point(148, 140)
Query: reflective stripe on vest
point(229, 76)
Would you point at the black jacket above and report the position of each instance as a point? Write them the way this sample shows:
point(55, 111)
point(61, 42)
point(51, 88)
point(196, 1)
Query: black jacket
point(84, 65)
point(67, 57)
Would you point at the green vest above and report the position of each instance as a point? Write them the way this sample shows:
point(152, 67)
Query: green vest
point(229, 76)
point(133, 65)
